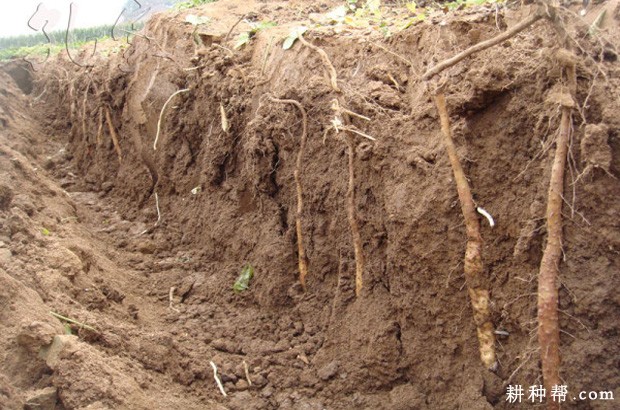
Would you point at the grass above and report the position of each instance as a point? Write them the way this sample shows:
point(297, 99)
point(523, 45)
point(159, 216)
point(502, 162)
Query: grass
point(38, 45)
point(40, 50)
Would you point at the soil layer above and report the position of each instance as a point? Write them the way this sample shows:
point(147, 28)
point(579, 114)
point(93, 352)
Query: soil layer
point(140, 247)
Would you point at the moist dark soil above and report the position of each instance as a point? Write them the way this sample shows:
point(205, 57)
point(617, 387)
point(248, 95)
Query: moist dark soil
point(140, 247)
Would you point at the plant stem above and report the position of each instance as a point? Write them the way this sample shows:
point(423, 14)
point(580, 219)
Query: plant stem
point(75, 322)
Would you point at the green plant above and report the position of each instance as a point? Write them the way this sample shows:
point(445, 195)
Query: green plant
point(30, 51)
point(67, 320)
point(243, 281)
point(245, 37)
point(293, 36)
point(38, 46)
point(197, 20)
point(188, 4)
point(360, 16)
point(370, 13)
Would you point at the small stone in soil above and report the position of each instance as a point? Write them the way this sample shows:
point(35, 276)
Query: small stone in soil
point(328, 371)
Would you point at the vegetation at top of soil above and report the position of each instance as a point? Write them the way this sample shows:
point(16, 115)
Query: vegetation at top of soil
point(388, 18)
point(255, 27)
point(76, 35)
point(44, 43)
point(39, 45)
point(182, 5)
point(293, 36)
point(66, 320)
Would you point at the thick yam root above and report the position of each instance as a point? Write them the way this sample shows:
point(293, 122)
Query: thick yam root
point(476, 284)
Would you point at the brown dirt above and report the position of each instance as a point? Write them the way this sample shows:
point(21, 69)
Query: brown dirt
point(73, 218)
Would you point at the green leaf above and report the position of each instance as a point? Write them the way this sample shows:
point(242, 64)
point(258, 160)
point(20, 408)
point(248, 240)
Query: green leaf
point(385, 30)
point(596, 24)
point(293, 36)
point(356, 22)
point(412, 7)
point(242, 40)
point(374, 6)
point(412, 21)
point(256, 27)
point(45, 231)
point(337, 14)
point(197, 20)
point(289, 41)
point(243, 281)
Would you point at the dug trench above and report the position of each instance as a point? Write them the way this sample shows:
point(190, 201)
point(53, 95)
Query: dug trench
point(139, 244)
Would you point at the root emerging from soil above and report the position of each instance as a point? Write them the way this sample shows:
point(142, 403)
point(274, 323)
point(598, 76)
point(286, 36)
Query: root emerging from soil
point(333, 76)
point(117, 147)
point(476, 286)
point(483, 45)
point(100, 127)
point(548, 323)
point(161, 114)
point(303, 260)
point(355, 230)
point(342, 120)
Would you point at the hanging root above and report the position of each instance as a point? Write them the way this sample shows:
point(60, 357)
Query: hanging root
point(476, 283)
point(333, 76)
point(100, 127)
point(247, 373)
point(117, 147)
point(483, 45)
point(355, 230)
point(340, 122)
point(171, 300)
point(72, 106)
point(161, 115)
point(303, 260)
point(158, 210)
point(155, 225)
point(217, 379)
point(548, 325)
point(84, 108)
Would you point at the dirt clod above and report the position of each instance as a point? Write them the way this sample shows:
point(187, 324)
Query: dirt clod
point(595, 149)
point(328, 371)
point(6, 196)
point(43, 399)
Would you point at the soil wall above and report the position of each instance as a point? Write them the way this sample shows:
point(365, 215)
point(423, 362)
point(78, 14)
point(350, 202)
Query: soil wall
point(160, 235)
